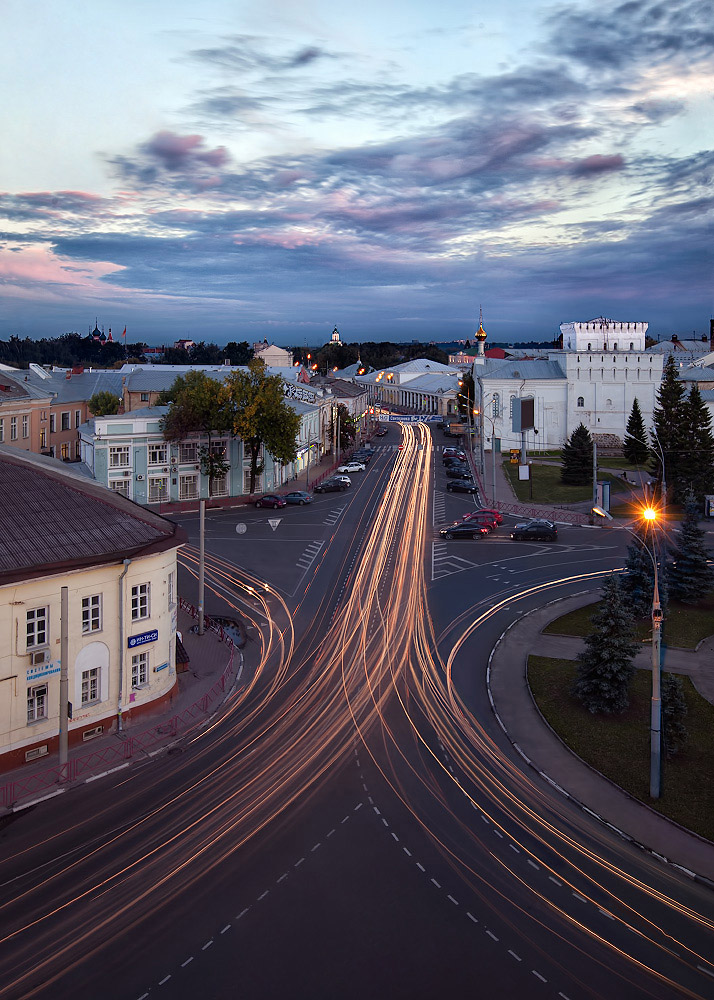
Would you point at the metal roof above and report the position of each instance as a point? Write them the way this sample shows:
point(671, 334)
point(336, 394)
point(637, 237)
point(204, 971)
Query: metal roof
point(52, 520)
point(519, 369)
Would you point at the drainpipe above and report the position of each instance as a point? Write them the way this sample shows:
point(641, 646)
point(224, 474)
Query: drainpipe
point(122, 632)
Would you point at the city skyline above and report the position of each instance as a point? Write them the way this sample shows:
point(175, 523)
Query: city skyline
point(249, 174)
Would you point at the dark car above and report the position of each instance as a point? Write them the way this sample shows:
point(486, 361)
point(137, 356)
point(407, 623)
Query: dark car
point(462, 530)
point(474, 514)
point(483, 518)
point(454, 453)
point(381, 432)
point(362, 456)
point(270, 500)
point(537, 531)
point(458, 472)
point(461, 486)
point(298, 496)
point(330, 486)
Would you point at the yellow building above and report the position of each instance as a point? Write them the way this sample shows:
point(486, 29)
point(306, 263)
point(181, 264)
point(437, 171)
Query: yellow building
point(118, 563)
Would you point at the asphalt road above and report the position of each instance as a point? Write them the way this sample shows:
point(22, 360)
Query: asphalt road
point(355, 823)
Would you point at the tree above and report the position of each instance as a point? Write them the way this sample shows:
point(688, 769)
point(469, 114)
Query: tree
point(104, 403)
point(577, 457)
point(674, 710)
point(697, 473)
point(238, 353)
point(197, 407)
point(669, 428)
point(261, 416)
point(635, 446)
point(605, 667)
point(638, 578)
point(690, 575)
point(348, 428)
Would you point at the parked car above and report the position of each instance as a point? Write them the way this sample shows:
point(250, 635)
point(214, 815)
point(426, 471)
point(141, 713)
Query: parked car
point(461, 486)
point(341, 478)
point(381, 432)
point(362, 456)
point(458, 472)
point(538, 530)
point(270, 500)
point(455, 453)
point(351, 467)
point(330, 486)
point(461, 530)
point(495, 514)
point(299, 497)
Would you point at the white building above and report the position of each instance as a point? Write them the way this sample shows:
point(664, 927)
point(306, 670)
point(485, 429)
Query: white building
point(118, 564)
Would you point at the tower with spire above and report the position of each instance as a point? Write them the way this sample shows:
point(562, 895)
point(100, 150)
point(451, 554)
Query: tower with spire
point(480, 338)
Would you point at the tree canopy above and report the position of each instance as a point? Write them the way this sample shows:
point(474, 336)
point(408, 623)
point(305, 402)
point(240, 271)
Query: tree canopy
point(635, 447)
point(577, 457)
point(104, 403)
point(690, 575)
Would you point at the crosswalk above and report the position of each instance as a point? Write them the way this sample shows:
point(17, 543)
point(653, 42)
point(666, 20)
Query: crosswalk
point(310, 554)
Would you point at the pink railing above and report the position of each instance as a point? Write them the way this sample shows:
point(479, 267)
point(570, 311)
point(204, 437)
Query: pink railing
point(127, 745)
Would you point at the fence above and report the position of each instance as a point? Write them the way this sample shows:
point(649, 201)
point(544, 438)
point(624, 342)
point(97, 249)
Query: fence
point(126, 746)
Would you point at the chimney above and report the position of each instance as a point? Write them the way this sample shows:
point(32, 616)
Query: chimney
point(711, 334)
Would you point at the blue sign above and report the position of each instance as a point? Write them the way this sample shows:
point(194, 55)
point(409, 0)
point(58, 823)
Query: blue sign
point(143, 638)
point(162, 667)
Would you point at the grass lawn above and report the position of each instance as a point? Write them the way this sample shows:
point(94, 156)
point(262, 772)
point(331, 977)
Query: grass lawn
point(685, 625)
point(548, 489)
point(619, 745)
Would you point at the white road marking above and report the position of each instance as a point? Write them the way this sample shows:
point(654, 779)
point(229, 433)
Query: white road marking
point(471, 917)
point(207, 945)
point(454, 901)
point(492, 935)
point(538, 976)
point(226, 928)
point(264, 894)
point(554, 879)
point(537, 867)
point(298, 863)
point(407, 851)
point(242, 913)
point(436, 883)
point(187, 962)
point(513, 955)
point(420, 867)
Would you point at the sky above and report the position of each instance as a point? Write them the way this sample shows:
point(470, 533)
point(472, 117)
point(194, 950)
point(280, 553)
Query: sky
point(239, 171)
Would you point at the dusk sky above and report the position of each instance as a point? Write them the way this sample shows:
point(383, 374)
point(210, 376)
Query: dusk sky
point(240, 171)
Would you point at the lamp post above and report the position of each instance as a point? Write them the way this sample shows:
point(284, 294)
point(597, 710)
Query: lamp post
point(650, 516)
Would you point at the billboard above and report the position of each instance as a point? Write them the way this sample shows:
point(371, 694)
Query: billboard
point(523, 414)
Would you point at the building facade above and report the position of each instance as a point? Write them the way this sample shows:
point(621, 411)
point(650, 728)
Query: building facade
point(119, 570)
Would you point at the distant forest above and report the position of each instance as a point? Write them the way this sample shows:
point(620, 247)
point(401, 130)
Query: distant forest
point(70, 350)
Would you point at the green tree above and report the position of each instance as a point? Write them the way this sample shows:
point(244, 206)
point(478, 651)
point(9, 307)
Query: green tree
point(674, 711)
point(104, 403)
point(577, 457)
point(238, 353)
point(697, 473)
point(261, 416)
point(669, 430)
point(638, 578)
point(634, 446)
point(197, 407)
point(605, 667)
point(348, 428)
point(690, 575)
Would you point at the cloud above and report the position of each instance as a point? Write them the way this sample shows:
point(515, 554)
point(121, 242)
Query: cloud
point(598, 164)
point(249, 53)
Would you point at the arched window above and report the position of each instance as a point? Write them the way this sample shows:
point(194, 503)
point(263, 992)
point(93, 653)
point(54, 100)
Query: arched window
point(614, 347)
point(496, 405)
point(590, 347)
point(632, 346)
point(608, 404)
point(581, 401)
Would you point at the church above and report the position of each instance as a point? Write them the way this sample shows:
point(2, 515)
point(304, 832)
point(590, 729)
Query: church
point(593, 379)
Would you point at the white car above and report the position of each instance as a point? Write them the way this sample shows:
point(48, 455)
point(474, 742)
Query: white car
point(352, 467)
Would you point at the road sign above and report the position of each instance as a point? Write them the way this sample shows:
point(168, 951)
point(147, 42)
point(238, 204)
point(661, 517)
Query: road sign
point(274, 522)
point(241, 528)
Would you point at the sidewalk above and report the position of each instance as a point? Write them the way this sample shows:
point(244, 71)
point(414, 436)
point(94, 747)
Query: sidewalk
point(212, 672)
point(526, 728)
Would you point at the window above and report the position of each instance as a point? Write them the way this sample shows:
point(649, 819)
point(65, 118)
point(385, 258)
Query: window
point(158, 489)
point(78, 449)
point(120, 486)
point(52, 423)
point(92, 614)
point(172, 589)
point(64, 450)
point(37, 703)
point(43, 414)
point(632, 346)
point(90, 685)
point(139, 670)
point(188, 487)
point(26, 426)
point(581, 401)
point(13, 428)
point(157, 454)
point(52, 451)
point(37, 627)
point(188, 451)
point(614, 347)
point(43, 438)
point(496, 405)
point(65, 420)
point(590, 347)
point(77, 418)
point(140, 601)
point(144, 397)
point(119, 457)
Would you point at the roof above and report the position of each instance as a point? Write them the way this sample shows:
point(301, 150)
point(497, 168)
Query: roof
point(519, 369)
point(76, 388)
point(15, 388)
point(90, 524)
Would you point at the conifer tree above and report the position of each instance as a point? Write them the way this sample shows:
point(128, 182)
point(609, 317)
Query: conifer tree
point(605, 667)
point(638, 579)
point(577, 457)
point(697, 471)
point(674, 710)
point(634, 447)
point(669, 428)
point(690, 575)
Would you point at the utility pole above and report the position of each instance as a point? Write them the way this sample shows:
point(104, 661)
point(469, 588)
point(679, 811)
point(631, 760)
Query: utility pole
point(201, 562)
